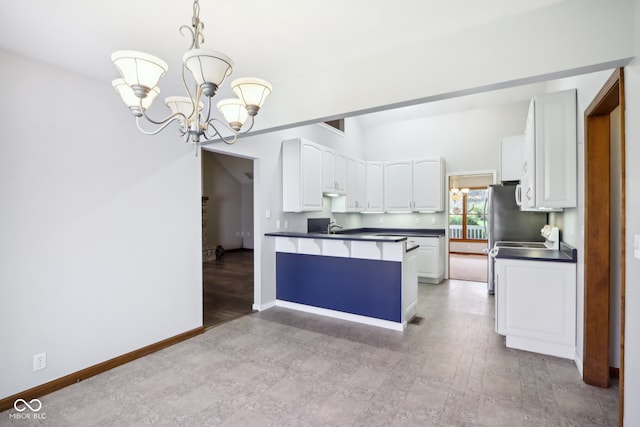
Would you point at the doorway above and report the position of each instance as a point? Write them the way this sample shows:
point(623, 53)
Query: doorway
point(604, 259)
point(227, 242)
point(467, 225)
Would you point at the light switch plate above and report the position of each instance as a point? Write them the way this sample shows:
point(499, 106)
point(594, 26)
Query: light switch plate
point(636, 246)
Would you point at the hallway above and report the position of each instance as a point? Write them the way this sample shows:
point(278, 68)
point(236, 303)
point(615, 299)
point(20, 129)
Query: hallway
point(227, 287)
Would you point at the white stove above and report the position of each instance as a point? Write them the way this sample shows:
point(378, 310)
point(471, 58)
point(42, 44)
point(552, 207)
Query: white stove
point(551, 241)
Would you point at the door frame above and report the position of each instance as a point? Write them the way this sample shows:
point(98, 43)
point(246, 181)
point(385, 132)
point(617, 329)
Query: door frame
point(597, 238)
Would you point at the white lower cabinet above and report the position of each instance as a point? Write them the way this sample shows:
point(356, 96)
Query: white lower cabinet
point(536, 305)
point(430, 258)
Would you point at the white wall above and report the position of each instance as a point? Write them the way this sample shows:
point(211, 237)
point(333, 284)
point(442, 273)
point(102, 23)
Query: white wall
point(632, 322)
point(99, 227)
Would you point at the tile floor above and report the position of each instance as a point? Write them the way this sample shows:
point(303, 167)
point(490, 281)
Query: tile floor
point(285, 368)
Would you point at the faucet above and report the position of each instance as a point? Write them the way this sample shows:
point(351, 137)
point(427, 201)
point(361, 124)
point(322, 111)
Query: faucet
point(332, 227)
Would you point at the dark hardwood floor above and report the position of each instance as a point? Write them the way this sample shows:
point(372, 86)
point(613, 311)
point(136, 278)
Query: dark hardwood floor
point(227, 287)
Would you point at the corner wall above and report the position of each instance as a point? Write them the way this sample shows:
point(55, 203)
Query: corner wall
point(632, 323)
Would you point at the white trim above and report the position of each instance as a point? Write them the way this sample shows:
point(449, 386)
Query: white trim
point(332, 129)
point(372, 321)
point(578, 361)
point(262, 307)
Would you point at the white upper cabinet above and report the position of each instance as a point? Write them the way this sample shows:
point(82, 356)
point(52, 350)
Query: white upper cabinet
point(302, 181)
point(549, 177)
point(353, 200)
point(374, 201)
point(398, 186)
point(361, 185)
point(414, 185)
point(511, 158)
point(333, 172)
point(328, 171)
point(428, 182)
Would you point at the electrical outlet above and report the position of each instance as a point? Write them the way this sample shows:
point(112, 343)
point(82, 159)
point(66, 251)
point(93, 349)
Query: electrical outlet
point(39, 361)
point(417, 221)
point(277, 223)
point(433, 221)
point(381, 220)
point(286, 224)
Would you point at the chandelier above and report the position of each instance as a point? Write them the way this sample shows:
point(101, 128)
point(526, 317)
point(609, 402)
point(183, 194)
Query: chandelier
point(141, 73)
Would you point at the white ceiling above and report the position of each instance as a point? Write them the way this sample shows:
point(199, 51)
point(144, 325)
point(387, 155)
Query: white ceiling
point(277, 40)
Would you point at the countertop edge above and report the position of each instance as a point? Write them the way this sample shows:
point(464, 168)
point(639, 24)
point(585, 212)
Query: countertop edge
point(566, 253)
point(354, 237)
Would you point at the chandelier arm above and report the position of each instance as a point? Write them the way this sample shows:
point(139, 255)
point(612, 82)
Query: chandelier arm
point(164, 122)
point(186, 87)
point(218, 133)
point(156, 131)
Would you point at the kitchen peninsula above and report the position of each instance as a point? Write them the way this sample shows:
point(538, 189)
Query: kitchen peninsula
point(365, 278)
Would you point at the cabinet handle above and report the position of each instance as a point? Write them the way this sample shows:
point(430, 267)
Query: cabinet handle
point(524, 167)
point(529, 193)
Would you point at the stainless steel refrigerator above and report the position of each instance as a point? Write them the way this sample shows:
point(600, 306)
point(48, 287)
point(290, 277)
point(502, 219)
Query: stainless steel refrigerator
point(505, 221)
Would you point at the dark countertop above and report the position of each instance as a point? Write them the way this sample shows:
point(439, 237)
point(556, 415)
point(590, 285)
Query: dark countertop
point(362, 237)
point(366, 234)
point(565, 254)
point(409, 232)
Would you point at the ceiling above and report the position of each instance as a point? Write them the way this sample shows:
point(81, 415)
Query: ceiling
point(277, 40)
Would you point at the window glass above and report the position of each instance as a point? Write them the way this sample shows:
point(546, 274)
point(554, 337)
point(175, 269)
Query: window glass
point(467, 219)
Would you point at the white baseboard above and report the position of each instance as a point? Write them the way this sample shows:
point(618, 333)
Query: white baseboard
point(578, 361)
point(262, 307)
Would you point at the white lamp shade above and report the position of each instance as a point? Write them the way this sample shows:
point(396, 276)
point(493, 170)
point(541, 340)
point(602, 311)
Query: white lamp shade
point(182, 104)
point(129, 97)
point(208, 66)
point(234, 112)
point(139, 68)
point(251, 91)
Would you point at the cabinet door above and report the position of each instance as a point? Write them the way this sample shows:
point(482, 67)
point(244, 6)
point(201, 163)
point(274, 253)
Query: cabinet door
point(428, 185)
point(556, 150)
point(352, 185)
point(511, 158)
point(537, 300)
point(301, 176)
point(341, 173)
point(398, 186)
point(328, 171)
point(311, 171)
point(430, 258)
point(374, 186)
point(427, 261)
point(361, 184)
point(528, 161)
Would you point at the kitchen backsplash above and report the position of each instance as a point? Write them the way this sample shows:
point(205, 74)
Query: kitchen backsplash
point(297, 222)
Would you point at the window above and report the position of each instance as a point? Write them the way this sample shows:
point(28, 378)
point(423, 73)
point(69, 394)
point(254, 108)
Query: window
point(467, 218)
